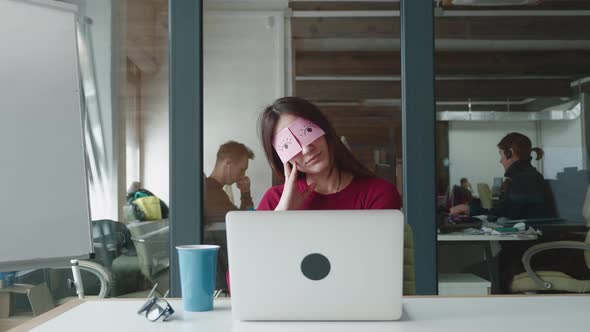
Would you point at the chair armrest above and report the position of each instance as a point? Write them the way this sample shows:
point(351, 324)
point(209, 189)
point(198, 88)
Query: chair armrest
point(528, 255)
point(147, 236)
point(103, 274)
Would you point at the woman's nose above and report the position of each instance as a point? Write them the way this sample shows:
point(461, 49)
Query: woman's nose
point(308, 148)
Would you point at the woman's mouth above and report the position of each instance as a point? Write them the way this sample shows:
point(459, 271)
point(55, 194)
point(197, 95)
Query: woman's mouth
point(313, 159)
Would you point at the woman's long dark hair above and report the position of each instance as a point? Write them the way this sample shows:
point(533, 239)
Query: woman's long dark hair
point(340, 157)
point(520, 145)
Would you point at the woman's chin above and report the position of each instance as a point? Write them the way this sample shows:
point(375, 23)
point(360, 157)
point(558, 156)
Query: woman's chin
point(315, 169)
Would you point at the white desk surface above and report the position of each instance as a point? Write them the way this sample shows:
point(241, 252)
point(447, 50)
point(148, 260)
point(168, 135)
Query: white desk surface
point(485, 237)
point(493, 314)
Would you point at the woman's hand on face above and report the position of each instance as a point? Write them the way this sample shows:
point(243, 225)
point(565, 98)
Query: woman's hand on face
point(292, 199)
point(461, 209)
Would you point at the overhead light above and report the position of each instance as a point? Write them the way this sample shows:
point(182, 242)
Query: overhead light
point(567, 111)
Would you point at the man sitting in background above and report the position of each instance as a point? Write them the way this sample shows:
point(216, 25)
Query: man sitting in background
point(230, 167)
point(459, 194)
point(467, 190)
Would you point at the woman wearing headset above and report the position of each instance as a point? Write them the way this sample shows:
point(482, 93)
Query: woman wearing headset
point(524, 195)
point(524, 191)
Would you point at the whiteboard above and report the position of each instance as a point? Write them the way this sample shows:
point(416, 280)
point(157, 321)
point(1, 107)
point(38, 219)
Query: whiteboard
point(44, 211)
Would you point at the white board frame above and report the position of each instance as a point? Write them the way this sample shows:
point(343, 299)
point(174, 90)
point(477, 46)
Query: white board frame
point(47, 221)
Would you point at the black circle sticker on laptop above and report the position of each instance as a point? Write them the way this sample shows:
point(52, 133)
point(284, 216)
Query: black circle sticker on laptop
point(315, 266)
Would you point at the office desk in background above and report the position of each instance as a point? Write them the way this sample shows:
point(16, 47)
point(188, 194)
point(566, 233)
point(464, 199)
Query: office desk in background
point(488, 244)
point(485, 237)
point(482, 314)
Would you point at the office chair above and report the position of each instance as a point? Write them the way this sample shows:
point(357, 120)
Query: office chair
point(110, 239)
point(457, 195)
point(40, 297)
point(409, 266)
point(152, 244)
point(485, 195)
point(557, 281)
point(102, 275)
point(215, 233)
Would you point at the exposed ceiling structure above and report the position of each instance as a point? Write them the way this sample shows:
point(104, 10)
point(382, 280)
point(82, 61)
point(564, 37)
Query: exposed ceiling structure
point(348, 51)
point(508, 60)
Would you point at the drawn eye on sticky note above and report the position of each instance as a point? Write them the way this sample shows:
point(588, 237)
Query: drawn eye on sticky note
point(305, 131)
point(286, 145)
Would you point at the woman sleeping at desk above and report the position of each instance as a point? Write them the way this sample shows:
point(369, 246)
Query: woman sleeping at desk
point(320, 173)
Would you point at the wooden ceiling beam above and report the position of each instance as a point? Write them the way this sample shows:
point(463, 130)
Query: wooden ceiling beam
point(336, 6)
point(380, 5)
point(573, 63)
point(358, 110)
point(481, 27)
point(504, 88)
point(539, 5)
point(341, 90)
point(392, 115)
point(328, 90)
point(345, 27)
point(366, 135)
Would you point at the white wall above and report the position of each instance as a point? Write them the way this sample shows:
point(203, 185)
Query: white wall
point(562, 143)
point(473, 151)
point(243, 73)
point(156, 133)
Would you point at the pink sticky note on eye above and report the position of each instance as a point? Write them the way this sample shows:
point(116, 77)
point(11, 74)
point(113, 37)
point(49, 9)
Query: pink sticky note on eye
point(305, 131)
point(286, 145)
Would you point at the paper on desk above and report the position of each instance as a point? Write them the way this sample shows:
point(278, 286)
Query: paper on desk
point(520, 226)
point(487, 230)
point(472, 231)
point(528, 231)
point(532, 231)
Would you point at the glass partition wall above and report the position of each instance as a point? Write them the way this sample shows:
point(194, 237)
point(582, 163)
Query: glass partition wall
point(512, 160)
point(123, 48)
point(346, 64)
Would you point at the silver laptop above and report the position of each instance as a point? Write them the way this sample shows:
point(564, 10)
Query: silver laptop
point(316, 265)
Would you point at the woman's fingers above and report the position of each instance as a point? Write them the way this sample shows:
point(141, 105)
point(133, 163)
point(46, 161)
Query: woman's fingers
point(287, 170)
point(294, 173)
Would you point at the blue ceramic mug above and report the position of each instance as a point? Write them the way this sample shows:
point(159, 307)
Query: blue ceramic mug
point(198, 264)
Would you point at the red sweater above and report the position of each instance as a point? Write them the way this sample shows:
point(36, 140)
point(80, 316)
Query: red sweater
point(360, 194)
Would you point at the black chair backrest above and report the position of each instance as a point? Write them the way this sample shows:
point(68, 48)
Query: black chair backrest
point(109, 239)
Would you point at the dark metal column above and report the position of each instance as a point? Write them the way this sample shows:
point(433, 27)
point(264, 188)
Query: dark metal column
point(418, 128)
point(186, 126)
